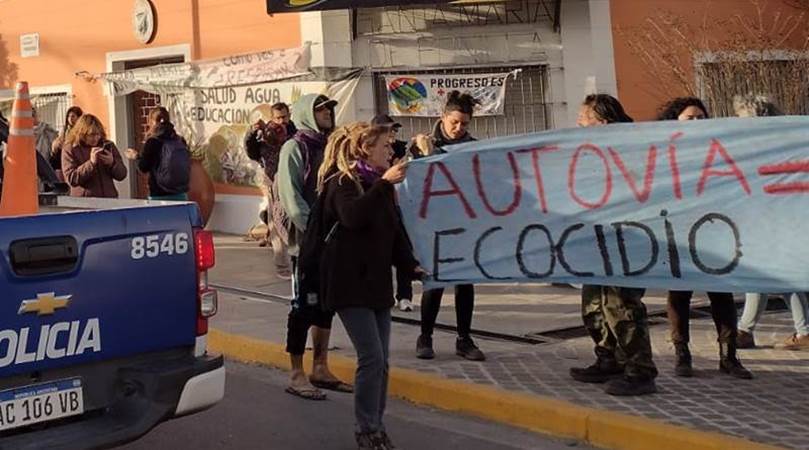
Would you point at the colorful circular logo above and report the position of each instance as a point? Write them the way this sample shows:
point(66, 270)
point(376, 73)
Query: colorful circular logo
point(408, 94)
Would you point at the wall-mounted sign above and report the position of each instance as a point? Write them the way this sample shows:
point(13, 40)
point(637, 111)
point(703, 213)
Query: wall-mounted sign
point(29, 45)
point(282, 6)
point(425, 95)
point(143, 21)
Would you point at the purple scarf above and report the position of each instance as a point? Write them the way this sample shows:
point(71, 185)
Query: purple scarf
point(368, 174)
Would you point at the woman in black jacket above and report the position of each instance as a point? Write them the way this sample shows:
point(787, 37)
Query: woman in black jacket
point(451, 129)
point(364, 240)
point(169, 182)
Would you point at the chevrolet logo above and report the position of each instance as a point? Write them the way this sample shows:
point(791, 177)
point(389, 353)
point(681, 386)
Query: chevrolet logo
point(44, 304)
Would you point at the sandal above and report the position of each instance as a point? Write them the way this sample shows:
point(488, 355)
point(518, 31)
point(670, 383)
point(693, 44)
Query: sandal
point(335, 385)
point(306, 393)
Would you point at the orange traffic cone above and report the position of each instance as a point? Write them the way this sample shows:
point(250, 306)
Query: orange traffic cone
point(20, 186)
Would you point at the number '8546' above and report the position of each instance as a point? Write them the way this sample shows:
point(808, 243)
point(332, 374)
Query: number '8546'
point(155, 245)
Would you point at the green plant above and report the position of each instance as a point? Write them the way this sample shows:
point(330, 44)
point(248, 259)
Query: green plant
point(198, 147)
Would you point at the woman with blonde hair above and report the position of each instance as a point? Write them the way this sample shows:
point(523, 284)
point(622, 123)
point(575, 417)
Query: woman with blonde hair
point(365, 238)
point(91, 164)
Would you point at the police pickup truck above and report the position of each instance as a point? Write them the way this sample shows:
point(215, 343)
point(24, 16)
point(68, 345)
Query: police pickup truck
point(104, 308)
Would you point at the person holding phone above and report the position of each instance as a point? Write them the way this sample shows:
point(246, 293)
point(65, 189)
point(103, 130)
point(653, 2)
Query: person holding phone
point(91, 164)
point(356, 182)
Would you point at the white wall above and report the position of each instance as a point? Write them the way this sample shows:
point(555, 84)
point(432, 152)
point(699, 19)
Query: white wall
point(329, 32)
point(470, 45)
point(580, 60)
point(587, 52)
point(234, 213)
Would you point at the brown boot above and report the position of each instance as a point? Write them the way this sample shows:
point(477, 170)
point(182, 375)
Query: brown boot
point(745, 340)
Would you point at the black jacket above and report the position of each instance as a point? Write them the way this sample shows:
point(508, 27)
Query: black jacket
point(441, 139)
point(356, 265)
point(151, 155)
point(4, 129)
point(291, 129)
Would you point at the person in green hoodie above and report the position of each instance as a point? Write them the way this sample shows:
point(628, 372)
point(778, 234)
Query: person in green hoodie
point(298, 164)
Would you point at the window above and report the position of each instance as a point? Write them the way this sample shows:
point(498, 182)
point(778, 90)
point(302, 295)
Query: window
point(51, 108)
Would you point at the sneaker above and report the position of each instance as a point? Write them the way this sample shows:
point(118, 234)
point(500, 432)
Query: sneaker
point(424, 347)
point(405, 305)
point(465, 347)
point(794, 342)
point(600, 372)
point(631, 386)
point(745, 340)
point(370, 441)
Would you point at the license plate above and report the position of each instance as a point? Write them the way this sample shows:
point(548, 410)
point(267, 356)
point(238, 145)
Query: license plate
point(40, 403)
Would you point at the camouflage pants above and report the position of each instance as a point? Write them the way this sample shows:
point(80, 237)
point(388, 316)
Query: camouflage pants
point(616, 319)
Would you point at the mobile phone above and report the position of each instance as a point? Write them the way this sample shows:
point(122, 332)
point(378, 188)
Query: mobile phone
point(107, 147)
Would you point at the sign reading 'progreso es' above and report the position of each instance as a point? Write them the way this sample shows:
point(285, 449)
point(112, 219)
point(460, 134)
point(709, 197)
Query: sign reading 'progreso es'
point(425, 95)
point(713, 205)
point(282, 6)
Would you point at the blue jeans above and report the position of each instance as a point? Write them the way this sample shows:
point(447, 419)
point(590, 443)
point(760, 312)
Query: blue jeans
point(756, 304)
point(369, 331)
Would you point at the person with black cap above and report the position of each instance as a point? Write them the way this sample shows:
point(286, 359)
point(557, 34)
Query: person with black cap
point(399, 146)
point(296, 180)
point(404, 285)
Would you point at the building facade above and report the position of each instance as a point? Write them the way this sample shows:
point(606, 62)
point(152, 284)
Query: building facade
point(562, 50)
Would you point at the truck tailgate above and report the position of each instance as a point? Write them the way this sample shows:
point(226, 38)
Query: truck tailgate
point(88, 286)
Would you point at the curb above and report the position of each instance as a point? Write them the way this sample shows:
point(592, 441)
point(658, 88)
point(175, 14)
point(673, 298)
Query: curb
point(600, 428)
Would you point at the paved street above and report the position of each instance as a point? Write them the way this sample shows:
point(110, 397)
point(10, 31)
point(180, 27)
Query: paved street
point(257, 414)
point(768, 409)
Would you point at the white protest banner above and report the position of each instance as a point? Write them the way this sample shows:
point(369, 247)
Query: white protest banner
point(249, 68)
point(713, 205)
point(425, 95)
point(215, 121)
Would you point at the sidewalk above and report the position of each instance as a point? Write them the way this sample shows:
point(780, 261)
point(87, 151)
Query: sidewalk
point(770, 409)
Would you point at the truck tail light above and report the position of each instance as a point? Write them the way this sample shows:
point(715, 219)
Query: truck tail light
point(207, 298)
point(206, 255)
